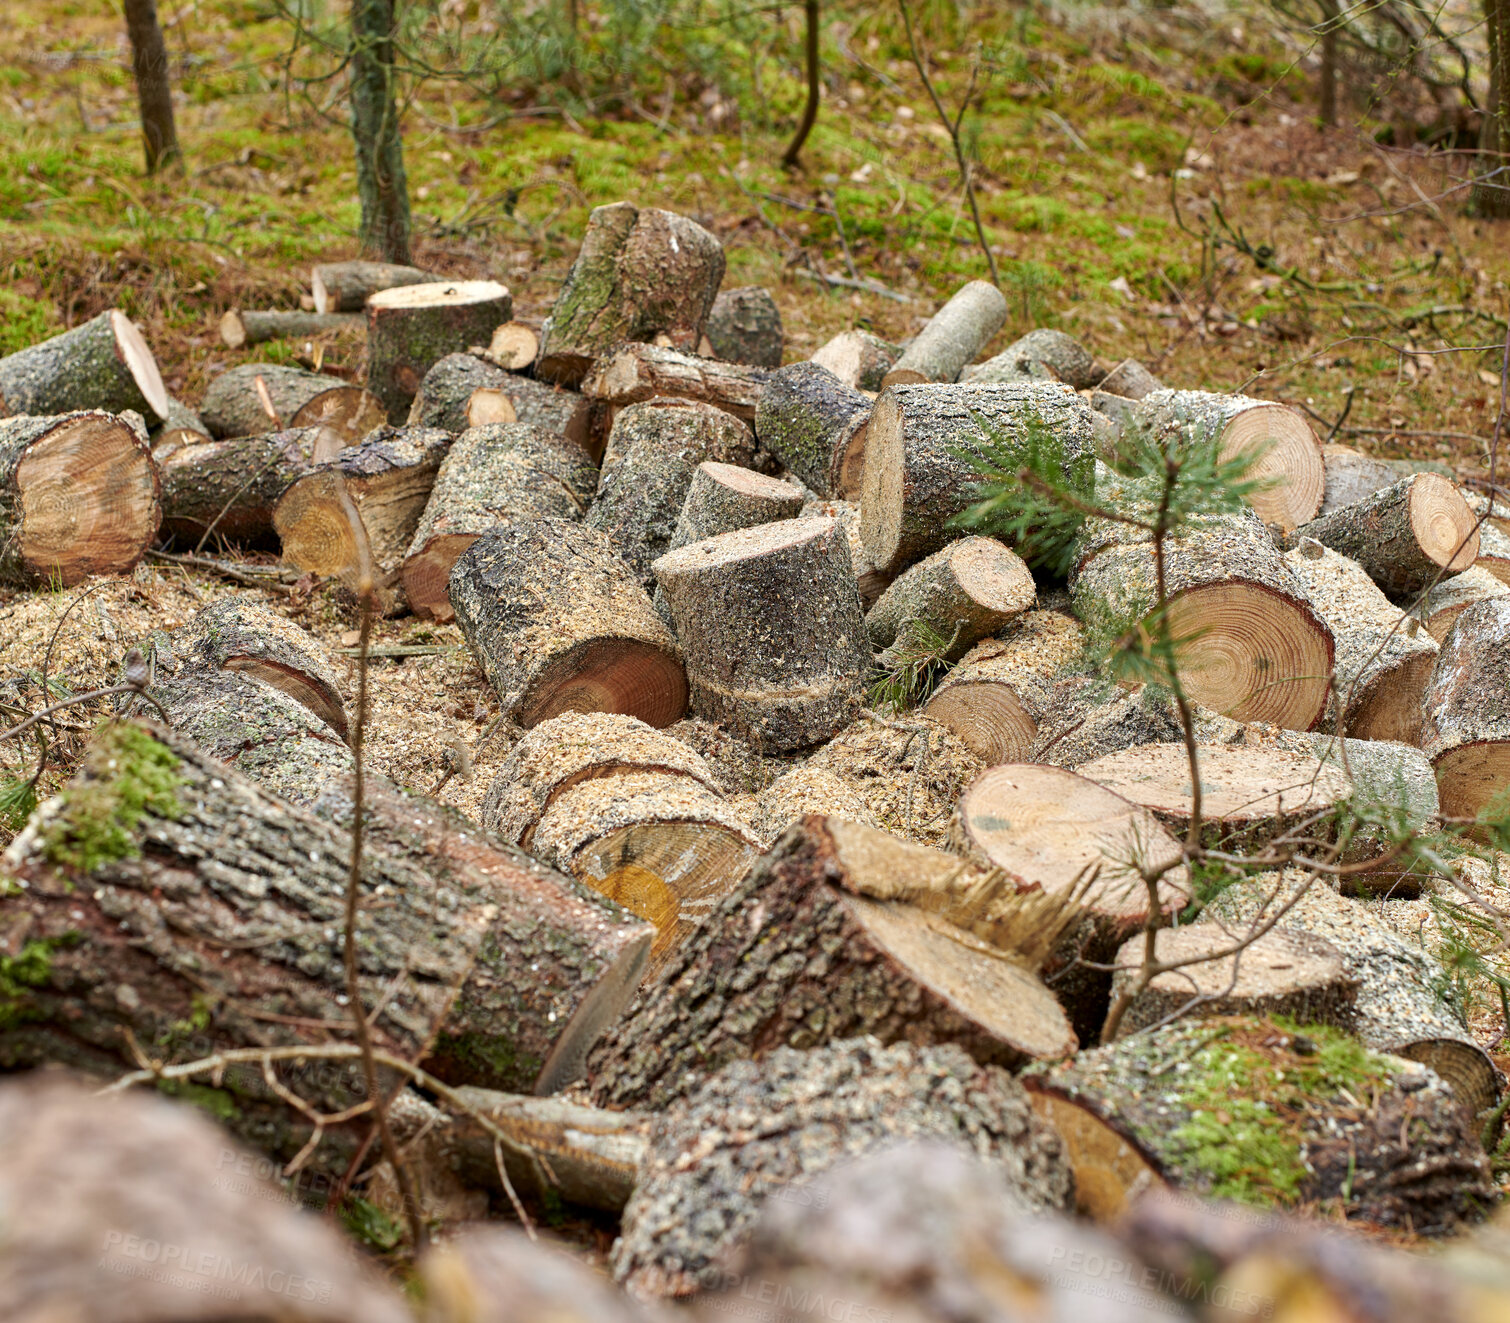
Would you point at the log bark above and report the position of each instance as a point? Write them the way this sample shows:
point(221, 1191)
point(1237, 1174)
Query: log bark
point(1286, 452)
point(1381, 666)
point(770, 622)
point(953, 337)
point(744, 326)
point(640, 274)
point(1404, 536)
point(997, 695)
point(1130, 380)
point(926, 446)
point(385, 483)
point(181, 426)
point(802, 791)
point(815, 425)
point(463, 390)
point(413, 327)
point(346, 286)
point(232, 405)
point(1088, 718)
point(79, 495)
point(1041, 355)
point(491, 476)
point(634, 373)
point(103, 364)
point(870, 581)
point(239, 329)
point(515, 346)
point(963, 592)
point(708, 1171)
point(652, 453)
point(559, 624)
point(1447, 600)
point(1494, 552)
point(889, 968)
point(1466, 731)
point(1351, 476)
point(859, 359)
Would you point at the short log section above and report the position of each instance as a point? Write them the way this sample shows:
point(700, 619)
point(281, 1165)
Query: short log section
point(744, 326)
point(815, 425)
point(1447, 600)
point(103, 364)
point(236, 405)
point(1466, 732)
point(953, 337)
point(463, 390)
point(346, 286)
point(859, 359)
point(634, 373)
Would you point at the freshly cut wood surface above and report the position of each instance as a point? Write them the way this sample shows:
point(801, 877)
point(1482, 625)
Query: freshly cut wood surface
point(744, 326)
point(1111, 1173)
point(953, 337)
point(1447, 600)
point(1466, 732)
point(102, 364)
point(239, 329)
point(815, 425)
point(514, 345)
point(859, 359)
point(345, 286)
point(180, 426)
point(234, 406)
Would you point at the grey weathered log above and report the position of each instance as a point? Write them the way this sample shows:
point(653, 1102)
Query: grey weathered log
point(180, 426)
point(769, 619)
point(744, 326)
point(1087, 717)
point(1351, 475)
point(232, 405)
point(926, 446)
point(1466, 731)
point(859, 359)
point(871, 581)
point(636, 372)
point(413, 327)
point(1130, 380)
point(640, 274)
point(815, 425)
point(953, 337)
point(1042, 355)
point(79, 495)
point(1405, 536)
point(345, 286)
point(102, 364)
point(449, 397)
point(492, 475)
point(239, 329)
point(1447, 600)
point(559, 623)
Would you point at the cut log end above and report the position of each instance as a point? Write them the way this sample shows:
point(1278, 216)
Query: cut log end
point(1110, 1173)
point(139, 361)
point(349, 411)
point(1391, 710)
point(903, 377)
point(1471, 777)
point(490, 406)
point(514, 346)
point(621, 675)
point(1444, 526)
point(1289, 459)
point(315, 529)
point(988, 716)
point(604, 1003)
point(849, 465)
point(427, 575)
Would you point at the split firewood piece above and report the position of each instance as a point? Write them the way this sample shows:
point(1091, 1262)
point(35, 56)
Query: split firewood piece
point(1130, 380)
point(815, 425)
point(859, 359)
point(744, 326)
point(230, 488)
point(181, 426)
point(575, 747)
point(1466, 730)
point(1041, 354)
point(1405, 536)
point(1285, 451)
point(357, 513)
point(346, 286)
point(707, 1172)
point(953, 337)
point(964, 591)
point(103, 364)
point(211, 1235)
point(770, 622)
point(1249, 796)
point(239, 329)
point(897, 966)
point(463, 390)
point(1447, 600)
point(652, 453)
point(491, 476)
point(1382, 661)
point(558, 623)
point(870, 581)
point(997, 695)
point(413, 327)
point(79, 495)
point(1351, 476)
point(925, 447)
point(1183, 1099)
point(802, 791)
point(633, 373)
point(515, 346)
point(1246, 640)
point(1494, 551)
point(234, 404)
point(641, 274)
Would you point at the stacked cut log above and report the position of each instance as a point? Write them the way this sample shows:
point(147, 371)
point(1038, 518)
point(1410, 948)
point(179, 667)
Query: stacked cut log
point(464, 390)
point(953, 337)
point(859, 359)
point(346, 286)
point(491, 476)
point(1445, 601)
point(1351, 476)
point(237, 403)
point(1130, 380)
point(239, 329)
point(79, 495)
point(896, 966)
point(744, 326)
point(412, 327)
point(1087, 718)
point(640, 274)
point(559, 624)
point(354, 516)
point(181, 426)
point(1466, 731)
point(634, 373)
point(1042, 355)
point(802, 791)
point(868, 579)
point(104, 364)
point(815, 425)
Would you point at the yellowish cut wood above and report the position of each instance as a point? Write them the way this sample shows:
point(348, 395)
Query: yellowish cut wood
point(514, 346)
point(1110, 1174)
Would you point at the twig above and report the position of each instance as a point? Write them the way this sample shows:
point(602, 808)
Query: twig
point(242, 575)
point(869, 286)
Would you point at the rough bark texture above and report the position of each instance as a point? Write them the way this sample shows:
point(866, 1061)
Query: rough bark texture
point(232, 406)
point(79, 495)
point(103, 364)
point(446, 397)
point(953, 337)
point(870, 581)
point(559, 624)
point(744, 326)
point(1087, 717)
point(1448, 599)
point(376, 131)
point(1351, 476)
point(633, 373)
point(815, 425)
point(652, 453)
point(154, 85)
point(768, 1130)
point(804, 790)
point(491, 476)
point(639, 274)
point(1381, 665)
point(1130, 380)
point(345, 286)
point(1405, 535)
point(1043, 355)
point(770, 622)
point(925, 445)
point(859, 359)
point(412, 328)
point(239, 329)
point(826, 961)
point(1466, 731)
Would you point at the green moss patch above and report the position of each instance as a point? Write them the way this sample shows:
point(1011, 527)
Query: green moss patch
point(29, 969)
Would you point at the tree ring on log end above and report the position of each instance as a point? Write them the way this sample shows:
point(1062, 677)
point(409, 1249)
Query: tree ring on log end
point(1465, 1066)
point(349, 411)
point(1287, 454)
point(1110, 1171)
point(621, 675)
point(1444, 526)
point(1470, 776)
point(988, 716)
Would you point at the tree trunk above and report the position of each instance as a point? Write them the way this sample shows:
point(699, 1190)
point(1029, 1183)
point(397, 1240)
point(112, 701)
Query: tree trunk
point(1041, 355)
point(463, 390)
point(1455, 594)
point(633, 373)
point(859, 359)
point(744, 326)
point(953, 337)
point(1466, 733)
point(376, 132)
point(815, 425)
point(154, 86)
point(239, 329)
point(346, 286)
point(1491, 196)
point(233, 405)
point(103, 364)
point(1331, 22)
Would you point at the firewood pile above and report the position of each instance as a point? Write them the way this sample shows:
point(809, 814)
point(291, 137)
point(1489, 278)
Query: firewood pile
point(805, 994)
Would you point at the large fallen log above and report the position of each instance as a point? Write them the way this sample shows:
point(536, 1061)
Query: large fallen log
point(463, 390)
point(954, 335)
point(345, 286)
point(633, 373)
point(1466, 731)
point(239, 329)
point(1042, 355)
point(859, 359)
point(233, 404)
point(815, 425)
point(103, 364)
point(744, 326)
point(79, 495)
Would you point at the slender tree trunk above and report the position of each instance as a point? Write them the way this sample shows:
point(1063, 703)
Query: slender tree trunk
point(381, 184)
point(810, 111)
point(1492, 196)
point(154, 89)
point(1329, 24)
